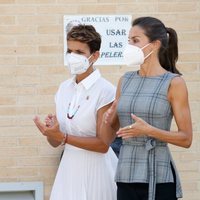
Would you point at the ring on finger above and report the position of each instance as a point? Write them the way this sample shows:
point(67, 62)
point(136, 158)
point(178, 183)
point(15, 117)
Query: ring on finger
point(130, 127)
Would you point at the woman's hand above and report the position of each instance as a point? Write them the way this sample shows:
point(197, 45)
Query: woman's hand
point(50, 129)
point(110, 114)
point(49, 120)
point(139, 128)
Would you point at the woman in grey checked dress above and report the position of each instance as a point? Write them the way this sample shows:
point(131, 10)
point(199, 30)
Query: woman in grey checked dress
point(146, 101)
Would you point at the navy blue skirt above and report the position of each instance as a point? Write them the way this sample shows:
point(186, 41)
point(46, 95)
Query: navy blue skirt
point(139, 191)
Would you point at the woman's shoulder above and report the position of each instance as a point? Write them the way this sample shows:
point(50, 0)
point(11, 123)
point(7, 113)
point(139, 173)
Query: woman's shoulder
point(106, 84)
point(64, 86)
point(178, 89)
point(127, 77)
point(129, 74)
point(178, 81)
point(65, 83)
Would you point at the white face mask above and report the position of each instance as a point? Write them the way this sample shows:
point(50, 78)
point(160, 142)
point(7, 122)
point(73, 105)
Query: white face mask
point(77, 64)
point(134, 55)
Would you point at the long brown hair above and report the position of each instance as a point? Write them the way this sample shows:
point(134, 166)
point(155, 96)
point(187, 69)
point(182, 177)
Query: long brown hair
point(155, 30)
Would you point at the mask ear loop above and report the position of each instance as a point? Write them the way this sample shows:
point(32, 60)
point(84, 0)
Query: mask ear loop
point(90, 56)
point(149, 53)
point(145, 46)
point(91, 62)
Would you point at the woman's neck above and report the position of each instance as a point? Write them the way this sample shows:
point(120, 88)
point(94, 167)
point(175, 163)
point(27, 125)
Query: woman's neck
point(80, 77)
point(151, 69)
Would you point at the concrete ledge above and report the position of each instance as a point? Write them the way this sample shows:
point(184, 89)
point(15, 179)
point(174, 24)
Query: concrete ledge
point(21, 191)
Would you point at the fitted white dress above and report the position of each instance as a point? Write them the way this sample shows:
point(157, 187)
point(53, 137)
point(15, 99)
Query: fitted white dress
point(83, 174)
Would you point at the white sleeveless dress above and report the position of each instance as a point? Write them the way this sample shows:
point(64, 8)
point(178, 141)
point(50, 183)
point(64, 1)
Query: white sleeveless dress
point(83, 174)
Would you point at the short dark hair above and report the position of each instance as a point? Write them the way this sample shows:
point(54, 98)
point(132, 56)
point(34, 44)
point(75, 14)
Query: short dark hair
point(155, 30)
point(85, 34)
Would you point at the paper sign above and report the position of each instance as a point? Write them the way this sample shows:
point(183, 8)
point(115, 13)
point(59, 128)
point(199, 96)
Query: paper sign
point(114, 30)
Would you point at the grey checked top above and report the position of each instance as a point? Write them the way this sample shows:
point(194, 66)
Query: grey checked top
point(144, 159)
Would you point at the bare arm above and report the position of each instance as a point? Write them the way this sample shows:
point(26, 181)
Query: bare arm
point(54, 143)
point(110, 122)
point(55, 136)
point(91, 143)
point(178, 97)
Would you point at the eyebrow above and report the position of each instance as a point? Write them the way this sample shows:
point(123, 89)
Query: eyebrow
point(134, 37)
point(77, 51)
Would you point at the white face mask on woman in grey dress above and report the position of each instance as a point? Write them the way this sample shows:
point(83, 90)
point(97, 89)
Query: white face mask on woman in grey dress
point(134, 55)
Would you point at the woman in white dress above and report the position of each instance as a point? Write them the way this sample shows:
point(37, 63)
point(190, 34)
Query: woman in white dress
point(87, 168)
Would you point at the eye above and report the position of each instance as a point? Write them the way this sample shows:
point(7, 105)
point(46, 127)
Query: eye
point(135, 41)
point(80, 52)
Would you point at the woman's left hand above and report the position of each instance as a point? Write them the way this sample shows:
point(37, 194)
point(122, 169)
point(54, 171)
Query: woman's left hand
point(139, 128)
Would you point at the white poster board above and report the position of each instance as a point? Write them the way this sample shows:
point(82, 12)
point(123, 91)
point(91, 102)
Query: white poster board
point(114, 30)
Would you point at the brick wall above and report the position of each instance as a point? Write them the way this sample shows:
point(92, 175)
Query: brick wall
point(31, 68)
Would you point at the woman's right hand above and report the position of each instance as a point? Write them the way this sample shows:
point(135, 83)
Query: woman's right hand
point(50, 129)
point(110, 114)
point(50, 120)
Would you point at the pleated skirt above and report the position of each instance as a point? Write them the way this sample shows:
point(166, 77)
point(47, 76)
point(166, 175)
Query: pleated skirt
point(85, 175)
